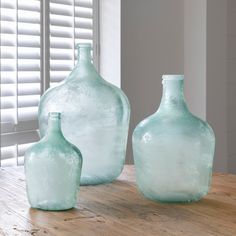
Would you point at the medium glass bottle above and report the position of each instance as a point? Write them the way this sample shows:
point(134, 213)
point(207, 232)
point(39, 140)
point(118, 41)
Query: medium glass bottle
point(173, 149)
point(52, 169)
point(95, 117)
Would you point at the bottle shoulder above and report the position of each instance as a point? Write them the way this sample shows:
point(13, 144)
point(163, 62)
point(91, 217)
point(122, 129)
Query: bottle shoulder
point(84, 94)
point(58, 147)
point(158, 124)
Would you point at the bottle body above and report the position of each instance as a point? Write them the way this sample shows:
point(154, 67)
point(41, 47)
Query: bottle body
point(53, 168)
point(95, 117)
point(173, 151)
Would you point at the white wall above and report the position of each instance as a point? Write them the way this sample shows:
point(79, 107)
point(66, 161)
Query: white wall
point(152, 39)
point(231, 85)
point(110, 41)
point(205, 68)
point(197, 38)
point(216, 78)
point(195, 55)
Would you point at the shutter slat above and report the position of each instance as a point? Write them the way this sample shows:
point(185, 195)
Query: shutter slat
point(28, 29)
point(61, 9)
point(23, 101)
point(8, 65)
point(84, 23)
point(23, 77)
point(29, 5)
point(63, 32)
point(8, 152)
point(84, 3)
point(19, 138)
point(28, 53)
point(28, 89)
point(84, 33)
point(7, 102)
point(63, 2)
point(29, 77)
point(21, 89)
point(60, 65)
point(8, 39)
point(28, 41)
point(7, 53)
point(8, 5)
point(8, 90)
point(61, 43)
point(28, 65)
point(7, 77)
point(58, 20)
point(61, 54)
point(83, 12)
point(57, 76)
point(27, 113)
point(8, 27)
point(28, 17)
point(6, 115)
point(28, 101)
point(8, 15)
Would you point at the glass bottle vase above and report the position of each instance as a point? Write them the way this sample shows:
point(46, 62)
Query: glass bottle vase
point(173, 149)
point(53, 169)
point(95, 117)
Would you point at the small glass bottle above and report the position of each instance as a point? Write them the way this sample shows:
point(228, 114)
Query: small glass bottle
point(173, 149)
point(52, 169)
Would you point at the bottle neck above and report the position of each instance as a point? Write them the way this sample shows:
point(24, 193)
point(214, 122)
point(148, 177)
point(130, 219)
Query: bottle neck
point(54, 125)
point(84, 55)
point(84, 67)
point(173, 96)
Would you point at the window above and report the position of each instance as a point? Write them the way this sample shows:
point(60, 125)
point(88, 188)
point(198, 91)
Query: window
point(37, 40)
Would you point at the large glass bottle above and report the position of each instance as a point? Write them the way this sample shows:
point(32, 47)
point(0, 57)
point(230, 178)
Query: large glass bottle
point(53, 168)
point(95, 117)
point(173, 149)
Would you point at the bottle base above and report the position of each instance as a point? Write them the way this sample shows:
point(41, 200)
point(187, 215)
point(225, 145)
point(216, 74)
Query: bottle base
point(92, 181)
point(175, 198)
point(52, 209)
point(52, 206)
point(95, 180)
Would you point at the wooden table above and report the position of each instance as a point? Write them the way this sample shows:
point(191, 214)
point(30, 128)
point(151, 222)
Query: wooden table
point(118, 209)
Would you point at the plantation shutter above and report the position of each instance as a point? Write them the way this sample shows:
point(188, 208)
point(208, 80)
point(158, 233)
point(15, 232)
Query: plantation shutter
point(37, 42)
point(71, 22)
point(20, 77)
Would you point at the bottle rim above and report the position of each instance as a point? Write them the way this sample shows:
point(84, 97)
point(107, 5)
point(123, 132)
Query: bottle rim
point(83, 45)
point(54, 115)
point(173, 77)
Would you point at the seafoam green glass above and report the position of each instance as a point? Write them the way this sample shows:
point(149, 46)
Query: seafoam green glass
point(95, 117)
point(173, 149)
point(53, 169)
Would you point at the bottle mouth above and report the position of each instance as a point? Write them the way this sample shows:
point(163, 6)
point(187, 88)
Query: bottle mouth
point(55, 115)
point(83, 45)
point(173, 77)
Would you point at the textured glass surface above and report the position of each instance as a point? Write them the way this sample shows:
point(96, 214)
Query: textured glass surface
point(173, 149)
point(53, 169)
point(95, 117)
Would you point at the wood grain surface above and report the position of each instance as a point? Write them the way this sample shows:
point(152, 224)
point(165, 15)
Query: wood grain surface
point(118, 209)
